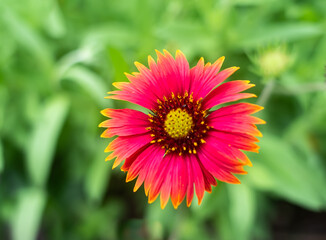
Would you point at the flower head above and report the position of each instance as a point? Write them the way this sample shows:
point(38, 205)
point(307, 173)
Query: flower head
point(181, 146)
point(272, 61)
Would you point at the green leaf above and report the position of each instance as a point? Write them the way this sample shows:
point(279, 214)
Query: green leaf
point(27, 37)
point(41, 148)
point(317, 112)
point(2, 161)
point(212, 203)
point(98, 175)
point(280, 170)
point(190, 228)
point(119, 64)
point(3, 104)
point(26, 220)
point(233, 207)
point(159, 220)
point(113, 34)
point(189, 35)
point(242, 210)
point(109, 213)
point(299, 135)
point(54, 23)
point(252, 2)
point(90, 81)
point(284, 32)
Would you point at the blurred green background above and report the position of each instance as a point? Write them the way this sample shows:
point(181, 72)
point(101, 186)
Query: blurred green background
point(58, 58)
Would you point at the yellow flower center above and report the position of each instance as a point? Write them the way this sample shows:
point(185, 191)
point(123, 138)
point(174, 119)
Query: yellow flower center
point(178, 123)
point(182, 129)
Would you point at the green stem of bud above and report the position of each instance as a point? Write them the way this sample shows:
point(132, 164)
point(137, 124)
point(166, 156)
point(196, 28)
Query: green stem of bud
point(266, 93)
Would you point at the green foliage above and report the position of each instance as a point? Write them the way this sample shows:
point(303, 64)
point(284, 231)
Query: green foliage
point(59, 58)
point(43, 139)
point(28, 213)
point(278, 173)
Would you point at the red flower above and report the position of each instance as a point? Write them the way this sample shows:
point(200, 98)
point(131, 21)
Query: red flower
point(181, 144)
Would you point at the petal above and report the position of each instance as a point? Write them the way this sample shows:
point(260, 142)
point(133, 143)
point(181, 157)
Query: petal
point(124, 147)
point(169, 72)
point(130, 160)
point(234, 126)
point(179, 180)
point(165, 190)
point(184, 70)
point(142, 88)
point(196, 75)
point(190, 187)
point(227, 92)
point(238, 108)
point(183, 179)
point(216, 162)
point(211, 78)
point(146, 80)
point(134, 94)
point(219, 78)
point(161, 79)
point(146, 173)
point(208, 178)
point(162, 86)
point(126, 114)
point(174, 73)
point(202, 77)
point(212, 82)
point(143, 158)
point(211, 163)
point(167, 185)
point(232, 154)
point(173, 175)
point(175, 186)
point(237, 140)
point(124, 122)
point(236, 118)
point(177, 176)
point(159, 175)
point(198, 178)
point(221, 159)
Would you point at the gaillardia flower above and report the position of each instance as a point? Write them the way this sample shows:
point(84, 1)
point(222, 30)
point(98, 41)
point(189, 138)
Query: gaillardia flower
point(181, 144)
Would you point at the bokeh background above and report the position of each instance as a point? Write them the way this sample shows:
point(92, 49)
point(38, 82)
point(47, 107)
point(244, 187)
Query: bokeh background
point(58, 58)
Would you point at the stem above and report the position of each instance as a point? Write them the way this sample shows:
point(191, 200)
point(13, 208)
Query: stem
point(266, 93)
